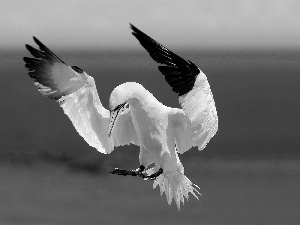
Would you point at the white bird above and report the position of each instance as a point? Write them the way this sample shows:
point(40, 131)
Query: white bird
point(135, 115)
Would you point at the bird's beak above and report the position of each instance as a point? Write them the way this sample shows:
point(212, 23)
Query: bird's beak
point(114, 116)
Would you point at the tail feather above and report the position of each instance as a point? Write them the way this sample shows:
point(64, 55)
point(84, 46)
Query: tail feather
point(176, 186)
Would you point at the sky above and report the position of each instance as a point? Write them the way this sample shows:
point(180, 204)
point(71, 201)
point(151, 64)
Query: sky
point(184, 24)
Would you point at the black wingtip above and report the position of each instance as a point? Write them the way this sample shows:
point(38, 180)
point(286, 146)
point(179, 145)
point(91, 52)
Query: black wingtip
point(36, 40)
point(27, 47)
point(44, 48)
point(136, 31)
point(39, 43)
point(25, 59)
point(133, 28)
point(36, 53)
point(179, 73)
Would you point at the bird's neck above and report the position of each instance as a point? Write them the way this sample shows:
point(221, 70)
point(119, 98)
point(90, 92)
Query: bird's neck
point(142, 99)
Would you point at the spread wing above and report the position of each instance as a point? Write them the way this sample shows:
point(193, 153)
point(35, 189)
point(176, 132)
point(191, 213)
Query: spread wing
point(77, 94)
point(198, 122)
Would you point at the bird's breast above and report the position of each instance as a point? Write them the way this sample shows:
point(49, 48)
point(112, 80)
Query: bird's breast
point(150, 123)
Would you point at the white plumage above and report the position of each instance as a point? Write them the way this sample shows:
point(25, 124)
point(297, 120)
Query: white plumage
point(160, 131)
point(91, 119)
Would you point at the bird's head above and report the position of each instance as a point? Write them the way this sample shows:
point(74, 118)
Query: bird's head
point(119, 100)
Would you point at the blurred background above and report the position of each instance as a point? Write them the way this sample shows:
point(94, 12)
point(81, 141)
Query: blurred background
point(249, 173)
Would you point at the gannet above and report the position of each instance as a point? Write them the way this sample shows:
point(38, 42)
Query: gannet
point(163, 132)
point(135, 115)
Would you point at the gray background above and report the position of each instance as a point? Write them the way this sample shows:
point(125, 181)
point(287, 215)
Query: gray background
point(248, 173)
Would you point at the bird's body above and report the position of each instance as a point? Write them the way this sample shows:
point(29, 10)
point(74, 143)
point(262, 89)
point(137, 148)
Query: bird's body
point(154, 124)
point(161, 132)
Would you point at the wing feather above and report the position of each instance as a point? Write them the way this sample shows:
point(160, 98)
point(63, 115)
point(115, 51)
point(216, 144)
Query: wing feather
point(77, 95)
point(198, 122)
point(179, 73)
point(90, 119)
point(124, 132)
point(49, 70)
